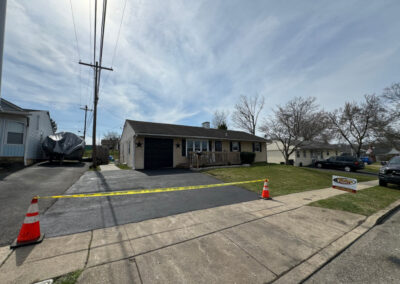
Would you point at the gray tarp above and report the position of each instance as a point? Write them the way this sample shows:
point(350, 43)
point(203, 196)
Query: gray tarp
point(64, 144)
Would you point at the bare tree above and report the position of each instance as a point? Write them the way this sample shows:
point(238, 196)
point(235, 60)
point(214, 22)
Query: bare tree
point(293, 124)
point(247, 111)
point(220, 120)
point(53, 125)
point(391, 96)
point(391, 99)
point(359, 122)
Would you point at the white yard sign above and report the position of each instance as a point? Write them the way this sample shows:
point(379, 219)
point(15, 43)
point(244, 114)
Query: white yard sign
point(344, 183)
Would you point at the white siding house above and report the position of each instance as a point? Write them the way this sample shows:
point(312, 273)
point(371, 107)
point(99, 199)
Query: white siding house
point(306, 155)
point(22, 132)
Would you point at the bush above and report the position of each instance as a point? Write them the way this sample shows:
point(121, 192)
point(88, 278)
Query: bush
point(247, 157)
point(102, 154)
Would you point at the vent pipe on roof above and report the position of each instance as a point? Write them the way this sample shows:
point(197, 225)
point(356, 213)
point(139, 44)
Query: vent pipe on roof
point(206, 124)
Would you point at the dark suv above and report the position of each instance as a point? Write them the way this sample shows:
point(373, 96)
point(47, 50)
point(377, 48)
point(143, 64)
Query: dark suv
point(347, 163)
point(390, 172)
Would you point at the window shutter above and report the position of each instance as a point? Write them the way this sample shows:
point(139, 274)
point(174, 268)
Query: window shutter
point(240, 148)
point(254, 147)
point(230, 145)
point(210, 146)
point(183, 147)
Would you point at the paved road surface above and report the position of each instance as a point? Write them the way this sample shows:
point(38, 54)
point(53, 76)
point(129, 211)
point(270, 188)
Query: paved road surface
point(18, 188)
point(75, 215)
point(374, 258)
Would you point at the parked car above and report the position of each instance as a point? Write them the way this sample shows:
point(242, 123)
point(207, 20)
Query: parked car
point(390, 172)
point(366, 160)
point(347, 163)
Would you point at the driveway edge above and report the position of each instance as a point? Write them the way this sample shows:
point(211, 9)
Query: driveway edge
point(309, 267)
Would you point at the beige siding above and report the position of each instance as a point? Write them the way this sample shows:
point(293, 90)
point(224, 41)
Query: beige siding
point(126, 146)
point(139, 153)
point(179, 160)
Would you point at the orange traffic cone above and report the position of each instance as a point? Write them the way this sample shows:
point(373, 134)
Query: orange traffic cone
point(30, 230)
point(265, 192)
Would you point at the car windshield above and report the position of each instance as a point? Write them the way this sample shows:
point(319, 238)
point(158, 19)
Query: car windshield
point(395, 161)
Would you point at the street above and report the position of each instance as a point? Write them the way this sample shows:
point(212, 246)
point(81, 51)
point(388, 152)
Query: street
point(18, 188)
point(374, 258)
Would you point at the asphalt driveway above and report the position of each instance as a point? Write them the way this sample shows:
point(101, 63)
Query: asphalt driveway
point(68, 216)
point(18, 187)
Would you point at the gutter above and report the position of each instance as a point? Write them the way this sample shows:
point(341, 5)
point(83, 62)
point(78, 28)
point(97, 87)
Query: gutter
point(198, 137)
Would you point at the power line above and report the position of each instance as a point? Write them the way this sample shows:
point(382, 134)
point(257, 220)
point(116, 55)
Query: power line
point(76, 36)
point(119, 31)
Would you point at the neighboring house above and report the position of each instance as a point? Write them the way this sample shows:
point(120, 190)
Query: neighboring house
point(305, 155)
point(110, 144)
point(22, 132)
point(148, 145)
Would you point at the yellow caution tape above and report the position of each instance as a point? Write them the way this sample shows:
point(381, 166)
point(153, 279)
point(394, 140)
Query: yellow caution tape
point(144, 191)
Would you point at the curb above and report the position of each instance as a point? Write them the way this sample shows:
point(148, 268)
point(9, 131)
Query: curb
point(316, 262)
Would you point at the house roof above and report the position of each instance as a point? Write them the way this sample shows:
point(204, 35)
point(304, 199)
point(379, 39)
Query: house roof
point(174, 130)
point(315, 145)
point(7, 107)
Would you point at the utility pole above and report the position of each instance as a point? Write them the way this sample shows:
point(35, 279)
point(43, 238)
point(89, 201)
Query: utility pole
point(3, 5)
point(86, 109)
point(96, 67)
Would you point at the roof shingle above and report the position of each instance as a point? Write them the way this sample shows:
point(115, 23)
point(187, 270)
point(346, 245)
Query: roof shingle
point(174, 130)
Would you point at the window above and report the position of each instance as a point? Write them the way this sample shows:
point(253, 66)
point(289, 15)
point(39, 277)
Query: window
point(327, 153)
point(189, 146)
point(15, 132)
point(304, 153)
point(297, 154)
point(197, 145)
point(336, 152)
point(235, 146)
point(322, 155)
point(218, 146)
point(183, 147)
point(257, 147)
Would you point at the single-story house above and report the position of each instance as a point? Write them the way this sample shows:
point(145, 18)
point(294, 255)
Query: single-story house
point(305, 155)
point(22, 132)
point(148, 145)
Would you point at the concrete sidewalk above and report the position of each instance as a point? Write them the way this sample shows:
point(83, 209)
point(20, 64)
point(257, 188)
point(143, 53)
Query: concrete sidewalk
point(252, 242)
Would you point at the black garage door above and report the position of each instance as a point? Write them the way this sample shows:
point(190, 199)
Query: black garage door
point(158, 153)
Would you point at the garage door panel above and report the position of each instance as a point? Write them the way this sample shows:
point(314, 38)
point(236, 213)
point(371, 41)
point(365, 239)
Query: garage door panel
point(158, 153)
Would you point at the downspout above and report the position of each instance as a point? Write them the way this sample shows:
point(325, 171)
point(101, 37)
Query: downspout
point(26, 137)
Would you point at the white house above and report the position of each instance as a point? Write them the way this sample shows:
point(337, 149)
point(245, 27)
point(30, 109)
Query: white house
point(149, 145)
point(305, 155)
point(22, 132)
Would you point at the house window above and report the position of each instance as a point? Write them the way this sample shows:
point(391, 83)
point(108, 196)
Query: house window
point(336, 152)
point(327, 153)
point(298, 154)
point(322, 155)
point(235, 146)
point(257, 147)
point(15, 133)
point(197, 145)
point(304, 153)
point(183, 148)
point(218, 146)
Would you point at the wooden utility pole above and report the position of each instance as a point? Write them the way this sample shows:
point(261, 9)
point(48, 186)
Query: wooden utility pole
point(86, 109)
point(96, 98)
point(3, 6)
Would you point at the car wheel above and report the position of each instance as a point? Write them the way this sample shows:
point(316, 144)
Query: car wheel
point(347, 169)
point(382, 183)
point(319, 166)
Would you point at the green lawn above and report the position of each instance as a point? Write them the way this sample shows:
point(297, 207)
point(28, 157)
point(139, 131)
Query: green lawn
point(282, 179)
point(123, 167)
point(69, 278)
point(365, 202)
point(373, 168)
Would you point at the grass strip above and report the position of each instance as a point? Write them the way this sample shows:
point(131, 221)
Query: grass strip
point(365, 202)
point(282, 179)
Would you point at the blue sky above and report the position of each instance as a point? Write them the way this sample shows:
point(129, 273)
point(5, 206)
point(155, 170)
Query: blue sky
point(179, 61)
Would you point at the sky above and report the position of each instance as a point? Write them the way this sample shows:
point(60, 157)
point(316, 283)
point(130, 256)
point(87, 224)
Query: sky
point(179, 61)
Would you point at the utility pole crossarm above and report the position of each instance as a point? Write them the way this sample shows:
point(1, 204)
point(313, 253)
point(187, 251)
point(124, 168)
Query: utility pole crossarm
point(94, 66)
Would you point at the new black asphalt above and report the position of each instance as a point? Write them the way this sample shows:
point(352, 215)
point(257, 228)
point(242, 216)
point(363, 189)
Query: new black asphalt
point(19, 185)
point(68, 216)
